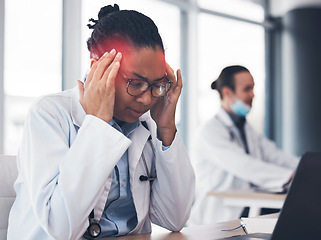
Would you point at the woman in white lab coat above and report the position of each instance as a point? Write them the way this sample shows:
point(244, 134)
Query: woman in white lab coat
point(220, 157)
point(96, 157)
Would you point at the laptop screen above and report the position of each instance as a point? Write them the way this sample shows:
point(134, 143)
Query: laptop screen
point(300, 216)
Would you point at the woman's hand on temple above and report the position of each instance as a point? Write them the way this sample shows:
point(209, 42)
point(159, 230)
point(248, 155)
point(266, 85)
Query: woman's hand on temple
point(97, 94)
point(163, 112)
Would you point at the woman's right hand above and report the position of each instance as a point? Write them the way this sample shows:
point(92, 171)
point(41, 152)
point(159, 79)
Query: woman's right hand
point(97, 94)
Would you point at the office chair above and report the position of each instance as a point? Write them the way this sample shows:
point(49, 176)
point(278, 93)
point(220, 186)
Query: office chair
point(8, 174)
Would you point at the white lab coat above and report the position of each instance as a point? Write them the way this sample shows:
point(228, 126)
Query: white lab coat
point(65, 167)
point(221, 164)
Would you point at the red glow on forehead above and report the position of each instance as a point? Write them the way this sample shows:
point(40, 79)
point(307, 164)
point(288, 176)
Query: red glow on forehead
point(119, 44)
point(147, 62)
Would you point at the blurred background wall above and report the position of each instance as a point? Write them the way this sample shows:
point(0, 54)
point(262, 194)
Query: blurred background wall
point(293, 115)
point(43, 50)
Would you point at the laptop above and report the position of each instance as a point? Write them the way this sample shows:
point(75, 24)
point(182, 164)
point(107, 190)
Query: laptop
point(300, 216)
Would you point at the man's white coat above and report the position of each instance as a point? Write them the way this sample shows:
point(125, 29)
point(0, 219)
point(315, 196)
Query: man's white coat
point(221, 164)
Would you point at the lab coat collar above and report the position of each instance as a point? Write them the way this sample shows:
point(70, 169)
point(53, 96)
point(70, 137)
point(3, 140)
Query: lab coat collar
point(78, 114)
point(225, 118)
point(139, 138)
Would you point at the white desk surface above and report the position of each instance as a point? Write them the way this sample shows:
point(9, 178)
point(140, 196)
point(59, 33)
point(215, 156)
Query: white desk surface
point(254, 200)
point(200, 232)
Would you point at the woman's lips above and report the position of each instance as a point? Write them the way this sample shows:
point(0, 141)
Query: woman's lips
point(135, 113)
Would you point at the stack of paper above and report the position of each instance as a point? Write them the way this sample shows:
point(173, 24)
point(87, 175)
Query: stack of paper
point(259, 225)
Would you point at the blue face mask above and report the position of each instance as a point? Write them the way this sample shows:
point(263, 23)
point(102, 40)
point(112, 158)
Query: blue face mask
point(240, 108)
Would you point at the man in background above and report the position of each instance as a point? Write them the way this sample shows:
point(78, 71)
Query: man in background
point(230, 155)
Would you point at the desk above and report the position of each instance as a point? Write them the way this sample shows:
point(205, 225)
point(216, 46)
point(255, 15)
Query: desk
point(201, 232)
point(254, 200)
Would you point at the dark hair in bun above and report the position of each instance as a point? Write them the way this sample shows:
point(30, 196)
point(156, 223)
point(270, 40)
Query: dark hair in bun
point(226, 78)
point(104, 11)
point(127, 25)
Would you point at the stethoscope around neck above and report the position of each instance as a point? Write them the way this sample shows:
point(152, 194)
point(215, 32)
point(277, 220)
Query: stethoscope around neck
point(229, 129)
point(94, 228)
point(149, 177)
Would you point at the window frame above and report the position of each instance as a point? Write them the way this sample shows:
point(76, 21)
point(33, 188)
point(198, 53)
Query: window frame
point(71, 51)
point(2, 16)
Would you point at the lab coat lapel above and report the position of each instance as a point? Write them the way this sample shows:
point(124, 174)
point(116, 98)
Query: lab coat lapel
point(78, 115)
point(225, 119)
point(253, 142)
point(139, 138)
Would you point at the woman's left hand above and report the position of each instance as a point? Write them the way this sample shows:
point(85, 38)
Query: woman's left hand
point(163, 112)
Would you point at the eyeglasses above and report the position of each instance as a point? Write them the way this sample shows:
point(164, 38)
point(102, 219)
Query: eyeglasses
point(136, 87)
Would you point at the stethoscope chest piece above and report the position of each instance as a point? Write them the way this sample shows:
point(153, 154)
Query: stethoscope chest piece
point(94, 229)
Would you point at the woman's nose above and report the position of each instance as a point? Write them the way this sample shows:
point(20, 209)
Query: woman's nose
point(145, 98)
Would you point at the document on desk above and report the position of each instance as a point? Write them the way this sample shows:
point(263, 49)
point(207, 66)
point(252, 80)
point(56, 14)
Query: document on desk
point(258, 225)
